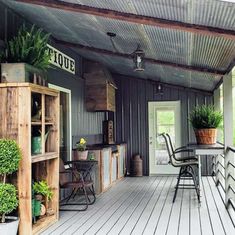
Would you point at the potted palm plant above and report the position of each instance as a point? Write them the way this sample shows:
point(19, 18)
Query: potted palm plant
point(10, 156)
point(205, 120)
point(27, 56)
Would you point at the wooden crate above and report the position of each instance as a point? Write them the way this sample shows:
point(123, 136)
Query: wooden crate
point(16, 123)
point(100, 97)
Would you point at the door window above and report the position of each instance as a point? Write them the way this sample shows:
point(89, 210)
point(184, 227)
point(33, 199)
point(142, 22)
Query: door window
point(165, 122)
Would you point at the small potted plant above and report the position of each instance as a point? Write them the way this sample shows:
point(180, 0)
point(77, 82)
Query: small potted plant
point(27, 57)
point(10, 156)
point(41, 189)
point(205, 120)
point(81, 150)
point(43, 194)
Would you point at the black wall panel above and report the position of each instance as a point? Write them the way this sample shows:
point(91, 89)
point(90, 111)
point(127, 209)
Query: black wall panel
point(132, 115)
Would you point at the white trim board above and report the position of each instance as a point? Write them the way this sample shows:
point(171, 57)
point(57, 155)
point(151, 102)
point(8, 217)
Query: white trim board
point(65, 90)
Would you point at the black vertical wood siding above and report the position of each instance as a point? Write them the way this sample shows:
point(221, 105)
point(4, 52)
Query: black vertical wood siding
point(83, 122)
point(132, 99)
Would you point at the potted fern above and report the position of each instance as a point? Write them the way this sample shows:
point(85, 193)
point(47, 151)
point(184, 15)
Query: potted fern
point(205, 120)
point(43, 194)
point(9, 162)
point(27, 57)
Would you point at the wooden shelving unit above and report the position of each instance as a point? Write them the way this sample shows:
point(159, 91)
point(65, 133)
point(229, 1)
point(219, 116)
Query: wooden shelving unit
point(17, 121)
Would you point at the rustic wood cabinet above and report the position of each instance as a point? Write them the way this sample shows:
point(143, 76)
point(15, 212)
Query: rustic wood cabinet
point(20, 120)
point(100, 97)
point(100, 88)
point(110, 167)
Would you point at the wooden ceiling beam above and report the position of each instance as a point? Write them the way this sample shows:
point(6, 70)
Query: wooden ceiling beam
point(148, 60)
point(133, 18)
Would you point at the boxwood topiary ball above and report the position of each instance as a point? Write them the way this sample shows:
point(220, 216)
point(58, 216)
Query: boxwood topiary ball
point(9, 156)
point(8, 199)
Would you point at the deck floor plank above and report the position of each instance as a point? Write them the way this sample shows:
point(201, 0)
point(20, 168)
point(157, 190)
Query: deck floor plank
point(195, 222)
point(213, 213)
point(113, 213)
point(144, 206)
point(224, 217)
point(143, 220)
point(124, 212)
point(130, 224)
point(87, 221)
point(157, 210)
point(174, 217)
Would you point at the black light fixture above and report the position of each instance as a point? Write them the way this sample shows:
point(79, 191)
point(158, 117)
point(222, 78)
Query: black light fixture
point(159, 89)
point(111, 37)
point(138, 59)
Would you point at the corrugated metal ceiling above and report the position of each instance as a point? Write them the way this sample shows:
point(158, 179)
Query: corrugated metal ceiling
point(158, 43)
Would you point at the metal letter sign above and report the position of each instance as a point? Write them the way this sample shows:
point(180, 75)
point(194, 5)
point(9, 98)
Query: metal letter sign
point(61, 60)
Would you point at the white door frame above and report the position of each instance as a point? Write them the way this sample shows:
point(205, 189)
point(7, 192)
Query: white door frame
point(152, 105)
point(67, 91)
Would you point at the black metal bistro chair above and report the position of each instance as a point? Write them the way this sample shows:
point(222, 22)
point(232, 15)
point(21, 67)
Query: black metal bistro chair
point(186, 166)
point(183, 150)
point(77, 178)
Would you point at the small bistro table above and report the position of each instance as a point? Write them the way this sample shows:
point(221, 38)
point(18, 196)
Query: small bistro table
point(199, 150)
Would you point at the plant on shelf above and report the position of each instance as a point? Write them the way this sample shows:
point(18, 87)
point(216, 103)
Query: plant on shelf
point(27, 53)
point(81, 150)
point(42, 188)
point(205, 120)
point(29, 46)
point(10, 156)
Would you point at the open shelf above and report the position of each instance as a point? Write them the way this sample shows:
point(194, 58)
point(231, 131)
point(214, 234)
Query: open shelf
point(36, 123)
point(44, 157)
point(35, 111)
point(49, 123)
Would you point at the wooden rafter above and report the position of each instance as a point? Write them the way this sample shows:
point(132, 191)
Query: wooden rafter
point(139, 19)
point(148, 60)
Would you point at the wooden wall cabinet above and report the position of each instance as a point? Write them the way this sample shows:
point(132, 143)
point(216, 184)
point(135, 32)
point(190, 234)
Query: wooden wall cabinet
point(100, 88)
point(18, 121)
point(100, 97)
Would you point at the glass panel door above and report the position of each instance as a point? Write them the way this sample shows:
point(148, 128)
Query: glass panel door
point(163, 117)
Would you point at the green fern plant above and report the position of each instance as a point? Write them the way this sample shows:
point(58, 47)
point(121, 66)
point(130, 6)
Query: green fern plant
point(205, 117)
point(29, 46)
point(42, 188)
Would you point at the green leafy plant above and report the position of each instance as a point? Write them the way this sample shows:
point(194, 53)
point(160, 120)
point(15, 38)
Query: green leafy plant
point(29, 46)
point(8, 198)
point(10, 156)
point(81, 145)
point(205, 116)
point(42, 188)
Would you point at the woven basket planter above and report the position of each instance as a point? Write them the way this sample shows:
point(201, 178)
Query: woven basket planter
point(206, 136)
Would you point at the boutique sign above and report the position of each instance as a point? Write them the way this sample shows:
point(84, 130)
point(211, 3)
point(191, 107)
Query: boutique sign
point(61, 60)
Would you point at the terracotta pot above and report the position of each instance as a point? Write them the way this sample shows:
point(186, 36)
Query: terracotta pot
point(81, 155)
point(206, 136)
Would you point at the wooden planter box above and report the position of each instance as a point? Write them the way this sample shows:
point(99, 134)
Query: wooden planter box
point(21, 72)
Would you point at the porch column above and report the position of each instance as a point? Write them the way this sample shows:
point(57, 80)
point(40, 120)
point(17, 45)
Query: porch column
point(228, 128)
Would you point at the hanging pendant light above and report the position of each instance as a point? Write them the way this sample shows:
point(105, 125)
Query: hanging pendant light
point(138, 59)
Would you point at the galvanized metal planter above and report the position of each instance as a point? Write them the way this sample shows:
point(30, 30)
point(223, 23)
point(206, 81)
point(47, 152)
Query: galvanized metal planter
point(22, 72)
point(10, 227)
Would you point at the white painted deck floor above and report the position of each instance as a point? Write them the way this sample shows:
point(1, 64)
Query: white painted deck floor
point(144, 206)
